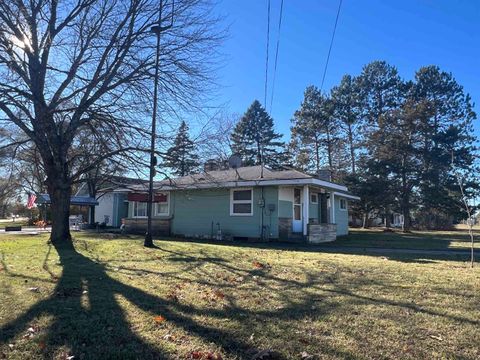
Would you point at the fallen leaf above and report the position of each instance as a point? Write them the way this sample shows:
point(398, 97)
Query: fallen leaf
point(159, 319)
point(33, 289)
point(258, 265)
point(42, 345)
point(196, 355)
point(219, 294)
point(436, 337)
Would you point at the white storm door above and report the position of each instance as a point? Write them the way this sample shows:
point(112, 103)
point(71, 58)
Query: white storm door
point(297, 223)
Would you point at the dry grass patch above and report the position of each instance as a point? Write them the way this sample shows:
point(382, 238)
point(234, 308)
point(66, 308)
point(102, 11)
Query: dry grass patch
point(116, 299)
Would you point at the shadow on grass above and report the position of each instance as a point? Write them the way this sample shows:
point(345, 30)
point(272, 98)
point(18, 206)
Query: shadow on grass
point(86, 329)
point(405, 254)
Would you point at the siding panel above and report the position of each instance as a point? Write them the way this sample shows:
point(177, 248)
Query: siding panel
point(194, 212)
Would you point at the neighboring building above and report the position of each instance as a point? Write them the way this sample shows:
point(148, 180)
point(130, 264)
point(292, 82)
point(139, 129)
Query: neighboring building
point(396, 220)
point(111, 198)
point(247, 203)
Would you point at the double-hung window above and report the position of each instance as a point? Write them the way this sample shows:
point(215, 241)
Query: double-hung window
point(241, 202)
point(161, 207)
point(139, 209)
point(343, 204)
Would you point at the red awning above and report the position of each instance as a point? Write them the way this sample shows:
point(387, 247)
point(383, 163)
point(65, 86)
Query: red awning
point(142, 197)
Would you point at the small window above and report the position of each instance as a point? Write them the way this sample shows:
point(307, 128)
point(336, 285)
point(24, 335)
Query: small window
point(343, 204)
point(314, 198)
point(139, 209)
point(161, 207)
point(241, 202)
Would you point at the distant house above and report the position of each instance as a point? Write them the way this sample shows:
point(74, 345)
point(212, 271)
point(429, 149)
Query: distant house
point(243, 203)
point(111, 199)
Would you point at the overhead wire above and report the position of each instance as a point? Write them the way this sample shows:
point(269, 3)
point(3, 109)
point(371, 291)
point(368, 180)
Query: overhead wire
point(276, 55)
point(266, 60)
point(331, 45)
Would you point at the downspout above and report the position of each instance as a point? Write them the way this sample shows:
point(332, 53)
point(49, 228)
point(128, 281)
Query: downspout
point(262, 207)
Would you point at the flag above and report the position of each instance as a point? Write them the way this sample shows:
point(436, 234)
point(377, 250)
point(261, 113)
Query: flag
point(31, 201)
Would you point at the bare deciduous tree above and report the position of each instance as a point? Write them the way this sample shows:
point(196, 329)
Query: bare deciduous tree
point(80, 69)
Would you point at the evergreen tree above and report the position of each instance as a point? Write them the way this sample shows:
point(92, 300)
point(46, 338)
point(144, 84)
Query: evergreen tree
point(315, 131)
point(446, 133)
point(255, 140)
point(347, 110)
point(395, 148)
point(181, 157)
point(380, 89)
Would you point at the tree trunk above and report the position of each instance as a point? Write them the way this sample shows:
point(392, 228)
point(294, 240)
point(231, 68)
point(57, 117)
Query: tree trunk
point(92, 215)
point(365, 222)
point(352, 149)
point(60, 197)
point(60, 189)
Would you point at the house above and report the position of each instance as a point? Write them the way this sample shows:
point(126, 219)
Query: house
point(245, 203)
point(111, 202)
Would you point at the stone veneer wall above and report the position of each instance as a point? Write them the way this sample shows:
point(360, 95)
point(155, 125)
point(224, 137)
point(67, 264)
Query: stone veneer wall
point(322, 233)
point(139, 226)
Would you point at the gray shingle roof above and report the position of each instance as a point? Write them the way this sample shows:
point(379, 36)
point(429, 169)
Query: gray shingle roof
point(248, 173)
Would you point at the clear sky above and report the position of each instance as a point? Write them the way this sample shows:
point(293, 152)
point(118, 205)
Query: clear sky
point(407, 33)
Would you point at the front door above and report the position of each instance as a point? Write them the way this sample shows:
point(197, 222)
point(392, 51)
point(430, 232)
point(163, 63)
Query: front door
point(297, 211)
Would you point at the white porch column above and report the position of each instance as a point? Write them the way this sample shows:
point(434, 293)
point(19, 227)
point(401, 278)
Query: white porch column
point(332, 208)
point(306, 208)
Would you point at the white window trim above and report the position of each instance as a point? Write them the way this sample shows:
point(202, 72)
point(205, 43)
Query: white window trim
point(168, 206)
point(133, 210)
point(340, 205)
point(316, 195)
point(241, 202)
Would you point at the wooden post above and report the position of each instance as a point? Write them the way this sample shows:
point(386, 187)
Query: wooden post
point(306, 208)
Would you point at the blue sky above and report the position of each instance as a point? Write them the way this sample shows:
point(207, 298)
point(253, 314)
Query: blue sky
point(408, 34)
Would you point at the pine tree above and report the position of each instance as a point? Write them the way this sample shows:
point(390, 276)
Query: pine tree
point(255, 140)
point(446, 134)
point(380, 89)
point(181, 157)
point(347, 110)
point(315, 130)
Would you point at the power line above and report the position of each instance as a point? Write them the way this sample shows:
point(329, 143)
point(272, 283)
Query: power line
point(331, 44)
point(266, 62)
point(276, 55)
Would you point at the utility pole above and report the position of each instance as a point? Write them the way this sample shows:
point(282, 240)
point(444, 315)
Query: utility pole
point(157, 30)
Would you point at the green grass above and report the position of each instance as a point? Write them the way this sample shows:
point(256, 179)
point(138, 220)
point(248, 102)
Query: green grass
point(100, 302)
point(424, 240)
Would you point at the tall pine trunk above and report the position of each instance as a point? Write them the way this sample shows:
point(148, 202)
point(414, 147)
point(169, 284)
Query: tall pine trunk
point(352, 149)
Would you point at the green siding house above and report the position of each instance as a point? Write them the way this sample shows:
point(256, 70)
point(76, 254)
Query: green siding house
point(243, 203)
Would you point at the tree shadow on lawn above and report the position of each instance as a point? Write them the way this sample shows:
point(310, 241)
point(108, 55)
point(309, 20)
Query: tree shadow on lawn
point(86, 314)
point(84, 330)
point(419, 256)
point(88, 322)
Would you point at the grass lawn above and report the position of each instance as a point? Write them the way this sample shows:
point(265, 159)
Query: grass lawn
point(114, 299)
point(425, 240)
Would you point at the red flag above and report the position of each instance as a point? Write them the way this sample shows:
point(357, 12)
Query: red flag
point(31, 201)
